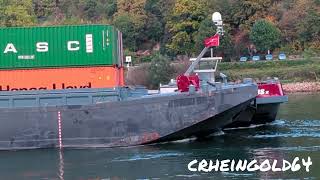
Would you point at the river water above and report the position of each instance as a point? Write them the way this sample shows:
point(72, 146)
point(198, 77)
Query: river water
point(296, 133)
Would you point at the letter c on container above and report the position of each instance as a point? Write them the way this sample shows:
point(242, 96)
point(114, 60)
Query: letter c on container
point(73, 45)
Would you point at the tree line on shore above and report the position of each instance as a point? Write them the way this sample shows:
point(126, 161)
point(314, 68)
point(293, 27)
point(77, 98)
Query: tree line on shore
point(178, 27)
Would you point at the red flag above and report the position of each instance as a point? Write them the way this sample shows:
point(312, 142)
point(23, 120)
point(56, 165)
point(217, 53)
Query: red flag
point(212, 41)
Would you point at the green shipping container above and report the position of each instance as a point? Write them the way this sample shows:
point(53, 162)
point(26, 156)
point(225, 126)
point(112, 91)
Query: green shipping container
point(60, 46)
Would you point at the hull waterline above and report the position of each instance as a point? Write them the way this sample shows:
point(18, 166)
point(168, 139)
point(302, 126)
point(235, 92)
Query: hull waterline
point(267, 109)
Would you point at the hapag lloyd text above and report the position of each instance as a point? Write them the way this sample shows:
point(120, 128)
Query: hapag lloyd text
point(53, 87)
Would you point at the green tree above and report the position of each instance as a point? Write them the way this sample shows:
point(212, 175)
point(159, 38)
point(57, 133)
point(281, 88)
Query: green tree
point(129, 29)
point(110, 7)
point(91, 9)
point(96, 10)
point(160, 71)
point(16, 13)
point(43, 8)
point(299, 23)
point(135, 7)
point(67, 10)
point(159, 11)
point(131, 18)
point(154, 28)
point(183, 23)
point(309, 28)
point(246, 12)
point(265, 35)
point(85, 11)
point(293, 15)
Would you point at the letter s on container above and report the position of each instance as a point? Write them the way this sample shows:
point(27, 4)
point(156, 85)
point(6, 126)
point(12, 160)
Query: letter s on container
point(42, 47)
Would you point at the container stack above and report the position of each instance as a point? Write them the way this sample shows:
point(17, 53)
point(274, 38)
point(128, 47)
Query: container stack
point(61, 57)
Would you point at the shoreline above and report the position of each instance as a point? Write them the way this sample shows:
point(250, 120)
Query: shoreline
point(301, 87)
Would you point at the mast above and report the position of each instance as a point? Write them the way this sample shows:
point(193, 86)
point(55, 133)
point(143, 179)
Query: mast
point(209, 42)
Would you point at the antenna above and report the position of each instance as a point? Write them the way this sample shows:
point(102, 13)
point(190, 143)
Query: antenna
point(217, 20)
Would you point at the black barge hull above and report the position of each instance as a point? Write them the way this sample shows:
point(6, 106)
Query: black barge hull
point(113, 118)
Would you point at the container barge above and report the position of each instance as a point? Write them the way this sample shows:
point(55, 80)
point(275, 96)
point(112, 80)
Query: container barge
point(109, 115)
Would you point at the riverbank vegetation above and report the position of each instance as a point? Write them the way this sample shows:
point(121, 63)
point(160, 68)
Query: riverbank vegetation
point(163, 32)
point(303, 72)
point(295, 75)
point(288, 71)
point(177, 28)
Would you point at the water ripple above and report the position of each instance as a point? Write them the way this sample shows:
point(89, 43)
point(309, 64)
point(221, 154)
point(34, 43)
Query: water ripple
point(235, 174)
point(287, 135)
point(148, 157)
point(298, 123)
point(296, 148)
point(188, 176)
point(292, 129)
